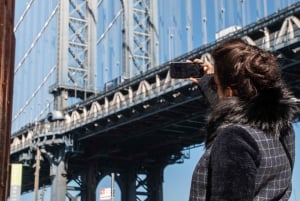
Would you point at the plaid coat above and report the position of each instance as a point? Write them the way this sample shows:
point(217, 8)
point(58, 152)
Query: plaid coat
point(244, 164)
point(245, 158)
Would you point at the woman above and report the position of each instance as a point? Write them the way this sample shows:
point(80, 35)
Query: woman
point(250, 140)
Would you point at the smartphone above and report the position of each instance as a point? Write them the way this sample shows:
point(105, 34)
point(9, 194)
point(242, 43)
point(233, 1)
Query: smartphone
point(180, 70)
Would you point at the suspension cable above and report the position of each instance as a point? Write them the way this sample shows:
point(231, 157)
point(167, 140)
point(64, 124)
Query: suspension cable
point(23, 15)
point(27, 102)
point(36, 40)
point(99, 3)
point(43, 110)
point(110, 26)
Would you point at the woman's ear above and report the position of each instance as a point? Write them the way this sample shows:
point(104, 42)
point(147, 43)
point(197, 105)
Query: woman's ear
point(228, 92)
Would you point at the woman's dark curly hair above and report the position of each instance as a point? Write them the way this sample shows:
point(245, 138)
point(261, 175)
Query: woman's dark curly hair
point(245, 68)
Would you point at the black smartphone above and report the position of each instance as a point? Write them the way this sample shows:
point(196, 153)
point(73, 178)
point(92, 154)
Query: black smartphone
point(180, 70)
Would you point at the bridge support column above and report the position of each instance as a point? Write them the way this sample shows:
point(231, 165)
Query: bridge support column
point(155, 184)
point(128, 187)
point(89, 183)
point(59, 181)
point(147, 185)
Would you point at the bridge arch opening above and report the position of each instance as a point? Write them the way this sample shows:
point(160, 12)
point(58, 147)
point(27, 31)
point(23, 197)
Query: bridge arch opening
point(105, 184)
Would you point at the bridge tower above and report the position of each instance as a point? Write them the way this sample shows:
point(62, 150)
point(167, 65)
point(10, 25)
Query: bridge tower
point(140, 36)
point(77, 78)
point(76, 53)
point(76, 75)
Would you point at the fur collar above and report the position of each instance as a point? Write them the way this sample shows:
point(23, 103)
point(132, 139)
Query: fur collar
point(271, 111)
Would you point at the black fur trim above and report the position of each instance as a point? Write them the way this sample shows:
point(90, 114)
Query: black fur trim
point(272, 110)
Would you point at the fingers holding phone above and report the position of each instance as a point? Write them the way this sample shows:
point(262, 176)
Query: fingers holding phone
point(207, 67)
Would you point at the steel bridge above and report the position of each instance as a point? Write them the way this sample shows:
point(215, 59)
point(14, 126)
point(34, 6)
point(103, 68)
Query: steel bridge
point(136, 128)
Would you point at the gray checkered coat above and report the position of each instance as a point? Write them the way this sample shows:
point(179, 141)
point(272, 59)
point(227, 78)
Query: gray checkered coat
point(266, 174)
point(245, 158)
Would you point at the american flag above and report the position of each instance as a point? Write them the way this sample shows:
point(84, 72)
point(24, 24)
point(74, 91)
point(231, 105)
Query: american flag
point(105, 194)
